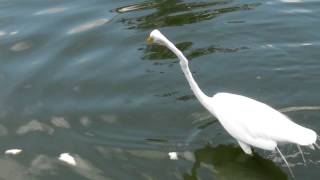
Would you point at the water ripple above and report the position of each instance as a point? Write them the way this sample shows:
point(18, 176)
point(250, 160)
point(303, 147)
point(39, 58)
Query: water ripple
point(51, 11)
point(77, 77)
point(135, 7)
point(2, 33)
point(291, 1)
point(155, 52)
point(89, 25)
point(175, 13)
point(20, 46)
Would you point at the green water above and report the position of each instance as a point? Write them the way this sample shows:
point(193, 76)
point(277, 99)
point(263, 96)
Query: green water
point(77, 76)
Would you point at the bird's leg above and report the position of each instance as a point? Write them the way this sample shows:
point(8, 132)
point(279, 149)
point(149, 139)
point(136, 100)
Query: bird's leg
point(315, 143)
point(311, 146)
point(284, 159)
point(245, 147)
point(300, 150)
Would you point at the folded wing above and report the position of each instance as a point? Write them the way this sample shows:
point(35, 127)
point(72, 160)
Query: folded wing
point(256, 123)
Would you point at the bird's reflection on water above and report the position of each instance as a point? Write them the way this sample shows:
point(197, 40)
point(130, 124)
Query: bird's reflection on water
point(154, 52)
point(228, 162)
point(177, 13)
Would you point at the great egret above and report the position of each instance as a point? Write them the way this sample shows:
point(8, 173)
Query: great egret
point(250, 122)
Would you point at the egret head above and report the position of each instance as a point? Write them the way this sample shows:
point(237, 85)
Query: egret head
point(157, 38)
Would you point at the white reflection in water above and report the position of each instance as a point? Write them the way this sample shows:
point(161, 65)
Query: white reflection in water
point(3, 130)
point(33, 126)
point(129, 8)
point(60, 122)
point(306, 44)
point(299, 108)
point(110, 119)
point(51, 11)
point(200, 116)
point(291, 1)
point(297, 11)
point(42, 164)
point(82, 60)
point(189, 156)
point(76, 88)
point(88, 26)
point(2, 33)
point(10, 169)
point(14, 33)
point(86, 169)
point(31, 108)
point(149, 154)
point(299, 44)
point(291, 45)
point(147, 176)
point(111, 152)
point(267, 46)
point(20, 46)
point(135, 7)
point(85, 121)
point(108, 152)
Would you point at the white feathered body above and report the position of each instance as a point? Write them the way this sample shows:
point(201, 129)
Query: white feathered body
point(254, 123)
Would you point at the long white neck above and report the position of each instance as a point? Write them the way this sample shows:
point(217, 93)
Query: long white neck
point(185, 68)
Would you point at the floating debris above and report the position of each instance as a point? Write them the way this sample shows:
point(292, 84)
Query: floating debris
point(66, 157)
point(173, 155)
point(13, 151)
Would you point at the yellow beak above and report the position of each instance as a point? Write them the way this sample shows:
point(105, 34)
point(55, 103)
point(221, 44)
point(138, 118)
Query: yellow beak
point(149, 40)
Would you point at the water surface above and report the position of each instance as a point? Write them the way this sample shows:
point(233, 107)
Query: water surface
point(78, 77)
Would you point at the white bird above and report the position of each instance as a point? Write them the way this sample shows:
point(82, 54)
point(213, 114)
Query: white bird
point(250, 122)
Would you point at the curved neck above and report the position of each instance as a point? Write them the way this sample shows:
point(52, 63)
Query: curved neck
point(185, 68)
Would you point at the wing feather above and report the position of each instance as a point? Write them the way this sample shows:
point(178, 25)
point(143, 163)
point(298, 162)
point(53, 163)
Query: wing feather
point(256, 123)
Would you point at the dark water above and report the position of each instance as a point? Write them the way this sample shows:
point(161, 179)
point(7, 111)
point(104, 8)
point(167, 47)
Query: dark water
point(78, 77)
